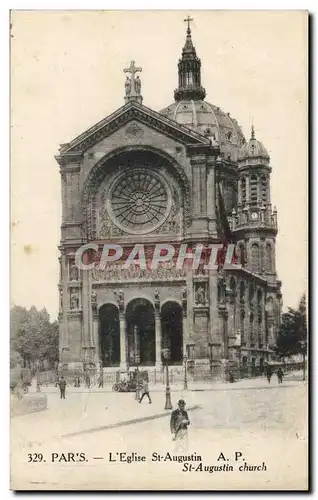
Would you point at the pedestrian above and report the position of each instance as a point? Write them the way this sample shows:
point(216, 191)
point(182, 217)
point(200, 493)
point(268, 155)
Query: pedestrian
point(269, 374)
point(179, 427)
point(38, 386)
point(62, 385)
point(88, 381)
point(280, 374)
point(101, 380)
point(145, 391)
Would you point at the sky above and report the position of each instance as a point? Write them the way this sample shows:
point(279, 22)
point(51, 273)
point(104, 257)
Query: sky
point(67, 74)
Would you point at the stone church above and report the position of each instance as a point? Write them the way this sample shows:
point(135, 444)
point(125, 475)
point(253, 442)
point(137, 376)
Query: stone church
point(185, 174)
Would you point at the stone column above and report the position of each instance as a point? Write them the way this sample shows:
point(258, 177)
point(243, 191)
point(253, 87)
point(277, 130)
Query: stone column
point(247, 189)
point(198, 161)
point(239, 192)
point(211, 196)
point(158, 340)
point(223, 314)
point(122, 329)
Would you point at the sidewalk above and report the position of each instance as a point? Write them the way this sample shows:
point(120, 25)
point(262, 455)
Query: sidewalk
point(245, 383)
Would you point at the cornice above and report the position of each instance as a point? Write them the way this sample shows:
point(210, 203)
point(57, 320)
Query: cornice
point(131, 111)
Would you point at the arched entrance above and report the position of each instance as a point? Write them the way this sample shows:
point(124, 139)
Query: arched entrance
point(109, 335)
point(140, 324)
point(172, 334)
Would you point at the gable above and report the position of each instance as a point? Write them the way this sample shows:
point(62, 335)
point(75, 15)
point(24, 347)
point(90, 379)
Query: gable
point(133, 111)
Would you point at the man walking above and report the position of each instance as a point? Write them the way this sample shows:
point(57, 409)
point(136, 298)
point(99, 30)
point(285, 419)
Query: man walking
point(179, 427)
point(269, 374)
point(280, 374)
point(145, 391)
point(62, 384)
point(101, 380)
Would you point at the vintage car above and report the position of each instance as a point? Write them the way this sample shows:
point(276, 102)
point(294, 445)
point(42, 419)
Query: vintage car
point(130, 381)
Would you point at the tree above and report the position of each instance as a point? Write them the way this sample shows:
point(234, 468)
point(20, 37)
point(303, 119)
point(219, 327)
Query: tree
point(33, 337)
point(292, 337)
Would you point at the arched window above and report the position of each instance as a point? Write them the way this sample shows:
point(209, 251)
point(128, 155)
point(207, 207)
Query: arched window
point(242, 319)
point(268, 258)
point(255, 258)
point(264, 189)
point(242, 291)
point(251, 293)
point(253, 189)
point(243, 190)
point(251, 332)
point(233, 284)
point(242, 256)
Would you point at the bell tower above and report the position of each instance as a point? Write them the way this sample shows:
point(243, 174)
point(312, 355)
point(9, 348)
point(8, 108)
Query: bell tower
point(255, 223)
point(189, 71)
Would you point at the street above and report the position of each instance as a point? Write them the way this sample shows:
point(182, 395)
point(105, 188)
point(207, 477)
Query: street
point(249, 421)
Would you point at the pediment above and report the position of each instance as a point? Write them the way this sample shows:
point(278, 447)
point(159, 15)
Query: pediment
point(132, 112)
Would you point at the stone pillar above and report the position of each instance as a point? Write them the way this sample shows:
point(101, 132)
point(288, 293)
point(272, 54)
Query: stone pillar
point(223, 315)
point(198, 161)
point(211, 196)
point(158, 340)
point(239, 192)
point(247, 189)
point(123, 354)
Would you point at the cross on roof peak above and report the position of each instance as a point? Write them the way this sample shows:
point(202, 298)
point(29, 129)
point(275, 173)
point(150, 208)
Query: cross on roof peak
point(188, 20)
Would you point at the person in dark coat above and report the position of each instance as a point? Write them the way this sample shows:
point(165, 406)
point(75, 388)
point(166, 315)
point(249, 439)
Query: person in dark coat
point(101, 380)
point(280, 374)
point(62, 385)
point(179, 427)
point(269, 374)
point(145, 391)
point(88, 381)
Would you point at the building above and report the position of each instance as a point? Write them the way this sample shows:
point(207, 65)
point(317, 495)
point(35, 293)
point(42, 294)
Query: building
point(184, 175)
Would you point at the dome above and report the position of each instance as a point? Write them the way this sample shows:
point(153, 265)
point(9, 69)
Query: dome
point(210, 121)
point(253, 149)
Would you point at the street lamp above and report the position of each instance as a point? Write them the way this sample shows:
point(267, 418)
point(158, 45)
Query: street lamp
point(137, 361)
point(185, 359)
point(166, 355)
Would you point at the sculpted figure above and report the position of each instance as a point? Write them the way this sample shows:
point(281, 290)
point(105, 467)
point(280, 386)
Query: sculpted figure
point(74, 301)
point(74, 273)
point(127, 85)
point(138, 85)
point(200, 296)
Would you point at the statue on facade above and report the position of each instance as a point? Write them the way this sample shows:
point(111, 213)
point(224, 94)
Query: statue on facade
point(94, 297)
point(138, 85)
point(74, 273)
point(120, 299)
point(157, 295)
point(127, 85)
point(74, 300)
point(61, 299)
point(200, 296)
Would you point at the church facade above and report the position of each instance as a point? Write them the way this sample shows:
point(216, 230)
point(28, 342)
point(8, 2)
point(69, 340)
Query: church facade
point(184, 176)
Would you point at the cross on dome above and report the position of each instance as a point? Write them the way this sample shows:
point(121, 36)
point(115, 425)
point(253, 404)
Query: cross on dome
point(188, 20)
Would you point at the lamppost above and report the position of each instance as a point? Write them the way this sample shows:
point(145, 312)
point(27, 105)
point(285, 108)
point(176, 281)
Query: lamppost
point(166, 355)
point(137, 361)
point(185, 360)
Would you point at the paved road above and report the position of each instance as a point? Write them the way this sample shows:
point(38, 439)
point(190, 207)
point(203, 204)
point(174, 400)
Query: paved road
point(264, 423)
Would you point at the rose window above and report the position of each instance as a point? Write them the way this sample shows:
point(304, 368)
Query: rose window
point(139, 201)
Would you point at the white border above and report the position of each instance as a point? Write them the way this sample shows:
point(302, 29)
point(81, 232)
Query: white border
point(4, 197)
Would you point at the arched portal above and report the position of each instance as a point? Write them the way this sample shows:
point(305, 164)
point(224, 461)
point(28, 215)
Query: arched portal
point(172, 334)
point(140, 328)
point(109, 335)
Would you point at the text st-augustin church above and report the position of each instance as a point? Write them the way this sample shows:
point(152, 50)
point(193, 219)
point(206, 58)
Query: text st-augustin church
point(185, 174)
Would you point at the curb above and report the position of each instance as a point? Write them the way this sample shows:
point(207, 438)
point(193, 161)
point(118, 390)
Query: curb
point(126, 422)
